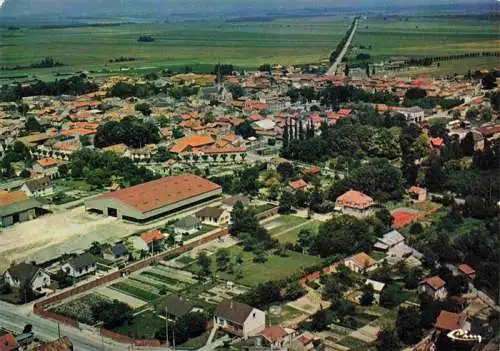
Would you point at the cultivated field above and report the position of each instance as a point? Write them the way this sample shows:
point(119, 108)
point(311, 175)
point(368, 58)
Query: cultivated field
point(199, 45)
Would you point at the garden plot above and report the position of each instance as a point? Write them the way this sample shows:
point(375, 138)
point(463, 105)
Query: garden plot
point(159, 281)
point(114, 294)
point(183, 276)
point(80, 309)
point(137, 289)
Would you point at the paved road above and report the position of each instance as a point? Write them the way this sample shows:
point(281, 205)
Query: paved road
point(333, 68)
point(15, 317)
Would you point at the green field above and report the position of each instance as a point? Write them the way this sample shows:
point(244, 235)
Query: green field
point(276, 267)
point(197, 44)
point(144, 326)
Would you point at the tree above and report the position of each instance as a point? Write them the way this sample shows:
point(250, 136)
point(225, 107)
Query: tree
point(387, 340)
point(205, 264)
point(415, 94)
point(23, 109)
point(112, 315)
point(408, 325)
point(235, 90)
point(412, 276)
point(305, 237)
point(143, 108)
point(293, 291)
point(287, 201)
point(389, 297)
point(33, 126)
point(265, 68)
point(332, 291)
point(222, 258)
point(246, 130)
point(416, 228)
point(85, 140)
point(385, 217)
point(367, 297)
point(130, 131)
point(319, 320)
point(25, 173)
point(467, 144)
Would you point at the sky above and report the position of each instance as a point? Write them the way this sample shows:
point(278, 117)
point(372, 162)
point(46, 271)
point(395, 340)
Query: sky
point(141, 7)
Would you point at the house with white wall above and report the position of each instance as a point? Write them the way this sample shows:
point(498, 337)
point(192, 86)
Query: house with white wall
point(27, 273)
point(239, 319)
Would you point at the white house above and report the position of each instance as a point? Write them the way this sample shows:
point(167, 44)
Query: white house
point(433, 287)
point(213, 216)
point(187, 225)
point(40, 187)
point(361, 263)
point(239, 319)
point(23, 273)
point(46, 167)
point(389, 240)
point(80, 265)
point(413, 114)
point(355, 203)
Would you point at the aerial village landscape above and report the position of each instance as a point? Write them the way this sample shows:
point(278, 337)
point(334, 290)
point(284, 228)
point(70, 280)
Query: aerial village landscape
point(286, 207)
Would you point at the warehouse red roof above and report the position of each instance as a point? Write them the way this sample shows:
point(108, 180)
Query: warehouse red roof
point(161, 192)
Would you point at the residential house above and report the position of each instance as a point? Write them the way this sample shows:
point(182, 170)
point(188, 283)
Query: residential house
point(187, 225)
point(46, 167)
point(448, 321)
point(176, 306)
point(467, 271)
point(298, 184)
point(437, 143)
point(116, 252)
point(361, 263)
point(433, 287)
point(389, 240)
point(8, 342)
point(40, 187)
point(229, 202)
point(213, 216)
point(355, 203)
point(413, 114)
point(152, 238)
point(276, 337)
point(418, 194)
point(377, 288)
point(16, 207)
point(27, 273)
point(80, 265)
point(239, 319)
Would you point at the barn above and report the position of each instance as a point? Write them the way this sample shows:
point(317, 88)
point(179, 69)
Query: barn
point(158, 198)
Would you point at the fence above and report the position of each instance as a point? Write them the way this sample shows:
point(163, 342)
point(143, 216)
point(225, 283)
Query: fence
point(39, 307)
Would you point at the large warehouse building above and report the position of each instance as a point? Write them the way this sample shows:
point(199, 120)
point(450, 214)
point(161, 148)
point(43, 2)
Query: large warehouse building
point(155, 199)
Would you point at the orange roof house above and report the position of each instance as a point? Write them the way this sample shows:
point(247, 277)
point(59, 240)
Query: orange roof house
point(192, 141)
point(47, 162)
point(354, 203)
point(437, 142)
point(360, 262)
point(151, 236)
point(298, 184)
point(274, 334)
point(434, 282)
point(8, 342)
point(7, 198)
point(467, 270)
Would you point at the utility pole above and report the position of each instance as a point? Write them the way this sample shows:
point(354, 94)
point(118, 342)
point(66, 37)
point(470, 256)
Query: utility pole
point(166, 324)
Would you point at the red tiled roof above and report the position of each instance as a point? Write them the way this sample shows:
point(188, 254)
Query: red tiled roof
point(355, 199)
point(7, 198)
point(8, 342)
point(344, 112)
point(448, 321)
point(191, 141)
point(437, 142)
point(47, 162)
point(161, 192)
point(416, 190)
point(466, 269)
point(148, 237)
point(362, 260)
point(490, 130)
point(298, 184)
point(434, 282)
point(274, 333)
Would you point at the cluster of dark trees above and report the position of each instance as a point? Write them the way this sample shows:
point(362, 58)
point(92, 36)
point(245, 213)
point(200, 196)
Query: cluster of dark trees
point(112, 314)
point(126, 90)
point(247, 228)
point(100, 169)
point(340, 46)
point(146, 39)
point(186, 327)
point(14, 153)
point(223, 69)
point(418, 97)
point(245, 130)
point(266, 294)
point(130, 131)
point(333, 96)
point(427, 61)
point(122, 59)
point(46, 62)
point(244, 181)
point(76, 85)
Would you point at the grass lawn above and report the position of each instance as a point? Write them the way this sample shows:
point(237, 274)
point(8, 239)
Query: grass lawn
point(283, 223)
point(135, 291)
point(275, 268)
point(292, 235)
point(144, 326)
point(351, 342)
point(262, 208)
point(467, 225)
point(73, 184)
point(286, 313)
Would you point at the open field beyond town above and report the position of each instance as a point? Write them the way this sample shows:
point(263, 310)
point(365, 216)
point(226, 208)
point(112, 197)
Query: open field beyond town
point(200, 45)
